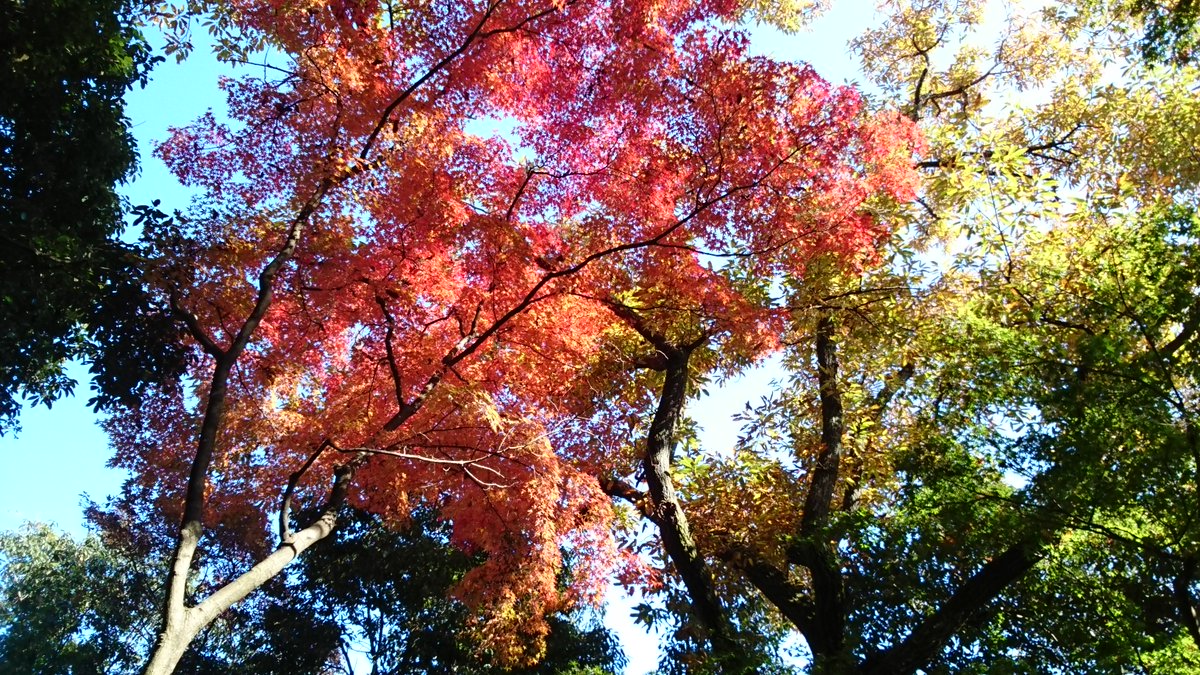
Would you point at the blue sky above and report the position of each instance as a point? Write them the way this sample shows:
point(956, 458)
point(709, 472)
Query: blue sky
point(61, 454)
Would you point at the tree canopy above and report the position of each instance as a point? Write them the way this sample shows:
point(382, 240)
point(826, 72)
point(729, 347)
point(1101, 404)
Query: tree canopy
point(370, 596)
point(375, 290)
point(985, 453)
point(71, 288)
point(475, 259)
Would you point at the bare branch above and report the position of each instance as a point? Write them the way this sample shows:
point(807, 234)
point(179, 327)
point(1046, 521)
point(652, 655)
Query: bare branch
point(417, 458)
point(285, 504)
point(193, 324)
point(393, 367)
point(615, 487)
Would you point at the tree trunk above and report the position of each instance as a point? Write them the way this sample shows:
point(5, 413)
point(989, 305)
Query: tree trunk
point(184, 623)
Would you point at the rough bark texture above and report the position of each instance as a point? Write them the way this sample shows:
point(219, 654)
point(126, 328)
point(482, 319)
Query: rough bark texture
point(664, 508)
point(826, 634)
point(792, 600)
point(668, 513)
point(825, 474)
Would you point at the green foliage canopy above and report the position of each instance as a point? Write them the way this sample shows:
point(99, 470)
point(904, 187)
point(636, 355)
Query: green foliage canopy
point(89, 606)
point(70, 288)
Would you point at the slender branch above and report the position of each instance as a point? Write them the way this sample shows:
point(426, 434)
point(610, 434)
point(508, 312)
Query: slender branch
point(654, 240)
point(476, 461)
point(389, 337)
point(413, 86)
point(1036, 149)
point(512, 206)
point(923, 52)
point(193, 325)
point(476, 34)
point(412, 406)
point(285, 504)
point(962, 88)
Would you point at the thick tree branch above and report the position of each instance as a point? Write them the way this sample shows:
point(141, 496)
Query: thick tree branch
point(192, 525)
point(672, 522)
point(615, 487)
point(970, 604)
point(1183, 598)
point(825, 473)
point(214, 411)
point(271, 565)
point(184, 623)
point(177, 621)
point(792, 600)
point(668, 512)
point(827, 630)
point(827, 633)
point(1190, 325)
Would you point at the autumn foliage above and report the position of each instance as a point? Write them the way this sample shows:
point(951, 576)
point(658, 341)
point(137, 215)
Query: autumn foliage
point(490, 205)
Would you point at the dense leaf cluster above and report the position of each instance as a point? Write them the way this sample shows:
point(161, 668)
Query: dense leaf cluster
point(71, 288)
point(1172, 30)
point(984, 458)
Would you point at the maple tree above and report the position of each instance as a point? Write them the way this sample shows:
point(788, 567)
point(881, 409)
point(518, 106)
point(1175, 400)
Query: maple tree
point(381, 295)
